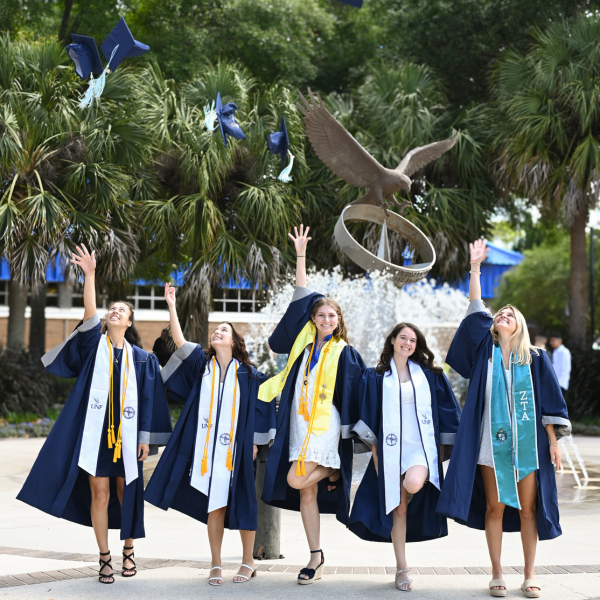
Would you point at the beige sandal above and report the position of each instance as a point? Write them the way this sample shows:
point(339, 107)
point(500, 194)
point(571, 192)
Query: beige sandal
point(531, 583)
point(211, 579)
point(498, 583)
point(401, 584)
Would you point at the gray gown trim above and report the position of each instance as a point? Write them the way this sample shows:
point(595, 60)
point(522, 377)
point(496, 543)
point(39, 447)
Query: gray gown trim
point(447, 438)
point(347, 431)
point(51, 355)
point(367, 437)
point(301, 292)
point(476, 306)
point(157, 439)
point(176, 359)
point(562, 427)
point(262, 439)
point(360, 447)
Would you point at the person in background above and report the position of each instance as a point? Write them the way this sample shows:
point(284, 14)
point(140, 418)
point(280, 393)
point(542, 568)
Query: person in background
point(160, 348)
point(561, 361)
point(541, 340)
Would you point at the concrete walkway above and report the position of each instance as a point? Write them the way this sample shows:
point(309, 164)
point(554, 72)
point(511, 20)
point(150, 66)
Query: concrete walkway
point(455, 567)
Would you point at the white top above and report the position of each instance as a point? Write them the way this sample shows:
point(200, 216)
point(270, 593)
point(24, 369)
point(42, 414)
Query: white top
point(412, 446)
point(561, 361)
point(486, 457)
point(322, 449)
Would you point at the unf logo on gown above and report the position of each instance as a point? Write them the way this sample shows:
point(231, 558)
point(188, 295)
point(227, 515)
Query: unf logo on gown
point(425, 420)
point(128, 412)
point(95, 404)
point(205, 424)
point(391, 439)
point(501, 436)
point(224, 439)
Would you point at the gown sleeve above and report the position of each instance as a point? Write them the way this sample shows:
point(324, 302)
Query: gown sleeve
point(265, 417)
point(369, 406)
point(473, 330)
point(448, 413)
point(68, 358)
point(181, 372)
point(155, 421)
point(553, 405)
point(295, 318)
point(345, 396)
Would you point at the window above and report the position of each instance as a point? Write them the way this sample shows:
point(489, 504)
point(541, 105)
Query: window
point(4, 293)
point(52, 294)
point(148, 297)
point(236, 300)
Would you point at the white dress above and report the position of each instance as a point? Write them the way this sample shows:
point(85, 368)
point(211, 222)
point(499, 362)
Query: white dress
point(322, 449)
point(486, 457)
point(412, 446)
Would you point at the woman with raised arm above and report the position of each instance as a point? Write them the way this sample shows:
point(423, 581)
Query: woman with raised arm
point(89, 470)
point(408, 414)
point(501, 477)
point(318, 406)
point(207, 469)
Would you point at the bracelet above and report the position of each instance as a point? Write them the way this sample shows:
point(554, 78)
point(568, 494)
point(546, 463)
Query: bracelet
point(300, 255)
point(475, 263)
point(475, 272)
point(554, 444)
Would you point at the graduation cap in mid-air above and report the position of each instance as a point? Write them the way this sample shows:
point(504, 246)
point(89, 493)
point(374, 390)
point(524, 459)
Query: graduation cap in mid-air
point(85, 56)
point(357, 3)
point(120, 44)
point(226, 117)
point(279, 143)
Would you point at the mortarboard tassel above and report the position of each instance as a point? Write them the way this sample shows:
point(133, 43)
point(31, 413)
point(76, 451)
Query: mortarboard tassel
point(101, 81)
point(284, 176)
point(87, 99)
point(229, 461)
point(210, 116)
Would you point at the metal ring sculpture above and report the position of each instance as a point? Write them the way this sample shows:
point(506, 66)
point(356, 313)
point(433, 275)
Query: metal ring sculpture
point(367, 260)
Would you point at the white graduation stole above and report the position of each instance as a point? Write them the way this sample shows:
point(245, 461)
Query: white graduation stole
point(392, 430)
point(216, 481)
point(96, 409)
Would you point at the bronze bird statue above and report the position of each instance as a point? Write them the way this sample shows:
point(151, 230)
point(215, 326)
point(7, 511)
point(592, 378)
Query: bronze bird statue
point(340, 151)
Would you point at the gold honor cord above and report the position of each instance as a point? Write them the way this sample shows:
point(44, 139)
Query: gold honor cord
point(111, 406)
point(117, 453)
point(300, 470)
point(303, 408)
point(204, 465)
point(229, 462)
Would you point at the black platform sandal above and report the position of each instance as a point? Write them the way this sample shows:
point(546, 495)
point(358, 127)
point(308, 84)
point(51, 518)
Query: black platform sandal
point(106, 563)
point(336, 483)
point(313, 574)
point(128, 557)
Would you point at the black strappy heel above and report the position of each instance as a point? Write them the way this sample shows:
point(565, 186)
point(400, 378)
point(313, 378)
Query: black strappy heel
point(334, 485)
point(106, 563)
point(313, 574)
point(128, 557)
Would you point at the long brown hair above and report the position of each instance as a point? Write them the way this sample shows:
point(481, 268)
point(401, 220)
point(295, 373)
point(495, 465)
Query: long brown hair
point(239, 349)
point(340, 332)
point(131, 333)
point(422, 353)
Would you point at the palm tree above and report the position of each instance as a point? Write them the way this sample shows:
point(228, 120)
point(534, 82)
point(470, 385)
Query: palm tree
point(547, 132)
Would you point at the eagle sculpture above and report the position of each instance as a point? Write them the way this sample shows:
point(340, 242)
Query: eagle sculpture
point(338, 149)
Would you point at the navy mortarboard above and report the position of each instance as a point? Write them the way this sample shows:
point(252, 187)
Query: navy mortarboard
point(84, 54)
point(357, 3)
point(226, 116)
point(279, 143)
point(120, 44)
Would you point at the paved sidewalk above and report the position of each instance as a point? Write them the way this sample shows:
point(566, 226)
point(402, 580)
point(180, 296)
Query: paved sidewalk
point(62, 556)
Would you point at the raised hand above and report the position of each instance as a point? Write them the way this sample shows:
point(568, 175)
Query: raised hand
point(478, 250)
point(170, 295)
point(84, 259)
point(300, 240)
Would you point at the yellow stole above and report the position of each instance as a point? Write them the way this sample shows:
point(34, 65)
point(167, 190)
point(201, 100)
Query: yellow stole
point(320, 415)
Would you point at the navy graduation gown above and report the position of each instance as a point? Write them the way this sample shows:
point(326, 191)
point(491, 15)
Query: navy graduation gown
point(463, 495)
point(368, 519)
point(276, 490)
point(170, 486)
point(56, 484)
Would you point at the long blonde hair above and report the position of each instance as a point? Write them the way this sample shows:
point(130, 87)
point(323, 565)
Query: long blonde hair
point(520, 342)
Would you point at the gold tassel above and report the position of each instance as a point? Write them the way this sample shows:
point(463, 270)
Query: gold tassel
point(204, 466)
point(110, 437)
point(229, 460)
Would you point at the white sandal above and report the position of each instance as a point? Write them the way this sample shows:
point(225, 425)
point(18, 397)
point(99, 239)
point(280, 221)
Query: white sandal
point(245, 577)
point(531, 583)
point(211, 579)
point(401, 584)
point(497, 583)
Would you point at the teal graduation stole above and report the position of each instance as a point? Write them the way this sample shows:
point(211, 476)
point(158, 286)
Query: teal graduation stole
point(513, 428)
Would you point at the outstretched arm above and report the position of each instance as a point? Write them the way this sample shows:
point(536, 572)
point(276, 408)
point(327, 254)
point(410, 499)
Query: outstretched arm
point(87, 262)
point(176, 332)
point(479, 252)
point(300, 242)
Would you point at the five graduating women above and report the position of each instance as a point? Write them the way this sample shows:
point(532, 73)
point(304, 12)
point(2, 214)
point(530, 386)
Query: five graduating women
point(206, 470)
point(89, 470)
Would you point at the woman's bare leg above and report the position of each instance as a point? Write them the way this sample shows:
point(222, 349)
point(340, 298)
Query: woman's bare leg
point(399, 536)
point(493, 521)
point(100, 488)
point(216, 529)
point(529, 534)
point(127, 563)
point(247, 550)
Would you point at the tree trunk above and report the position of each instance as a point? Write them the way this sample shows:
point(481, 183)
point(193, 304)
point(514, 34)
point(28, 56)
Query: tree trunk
point(578, 296)
point(204, 331)
point(37, 322)
point(62, 34)
point(17, 302)
point(268, 529)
